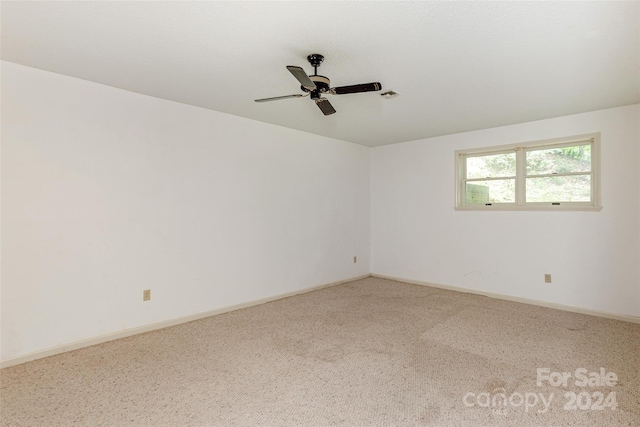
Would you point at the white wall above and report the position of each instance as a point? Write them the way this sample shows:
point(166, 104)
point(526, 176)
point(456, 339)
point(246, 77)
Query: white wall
point(107, 192)
point(593, 256)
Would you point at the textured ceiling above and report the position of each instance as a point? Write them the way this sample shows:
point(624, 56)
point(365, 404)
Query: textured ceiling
point(457, 66)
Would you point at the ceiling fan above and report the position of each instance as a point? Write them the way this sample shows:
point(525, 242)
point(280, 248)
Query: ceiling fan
point(316, 86)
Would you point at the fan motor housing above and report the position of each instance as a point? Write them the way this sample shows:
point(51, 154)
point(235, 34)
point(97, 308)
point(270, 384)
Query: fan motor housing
point(323, 84)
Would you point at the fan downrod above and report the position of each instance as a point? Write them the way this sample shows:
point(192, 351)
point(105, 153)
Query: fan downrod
point(315, 59)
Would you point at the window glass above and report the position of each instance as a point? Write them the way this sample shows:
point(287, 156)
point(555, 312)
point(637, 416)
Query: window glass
point(572, 188)
point(559, 160)
point(494, 191)
point(492, 166)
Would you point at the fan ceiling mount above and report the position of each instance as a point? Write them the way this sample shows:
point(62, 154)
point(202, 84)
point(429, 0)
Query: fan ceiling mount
point(316, 86)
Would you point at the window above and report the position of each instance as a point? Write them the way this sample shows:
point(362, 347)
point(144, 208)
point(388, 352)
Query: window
point(559, 174)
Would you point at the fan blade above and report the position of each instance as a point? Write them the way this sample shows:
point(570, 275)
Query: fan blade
point(325, 106)
point(302, 77)
point(364, 87)
point(275, 98)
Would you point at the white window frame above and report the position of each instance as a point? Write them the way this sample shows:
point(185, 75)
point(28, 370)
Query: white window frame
point(520, 178)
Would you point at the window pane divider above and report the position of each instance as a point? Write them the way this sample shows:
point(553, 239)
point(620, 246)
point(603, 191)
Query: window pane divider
point(498, 178)
point(547, 175)
point(521, 187)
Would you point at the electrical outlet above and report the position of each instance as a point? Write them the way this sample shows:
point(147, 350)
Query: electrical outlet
point(547, 278)
point(355, 259)
point(146, 295)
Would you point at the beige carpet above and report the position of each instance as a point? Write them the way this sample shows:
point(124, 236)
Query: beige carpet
point(371, 352)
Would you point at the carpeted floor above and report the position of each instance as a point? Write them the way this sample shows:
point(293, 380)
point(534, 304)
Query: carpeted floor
point(371, 352)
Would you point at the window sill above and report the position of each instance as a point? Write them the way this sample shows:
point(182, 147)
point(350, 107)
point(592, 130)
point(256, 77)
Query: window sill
point(543, 207)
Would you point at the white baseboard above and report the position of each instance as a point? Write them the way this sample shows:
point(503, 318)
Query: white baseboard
point(622, 317)
point(159, 325)
point(172, 322)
